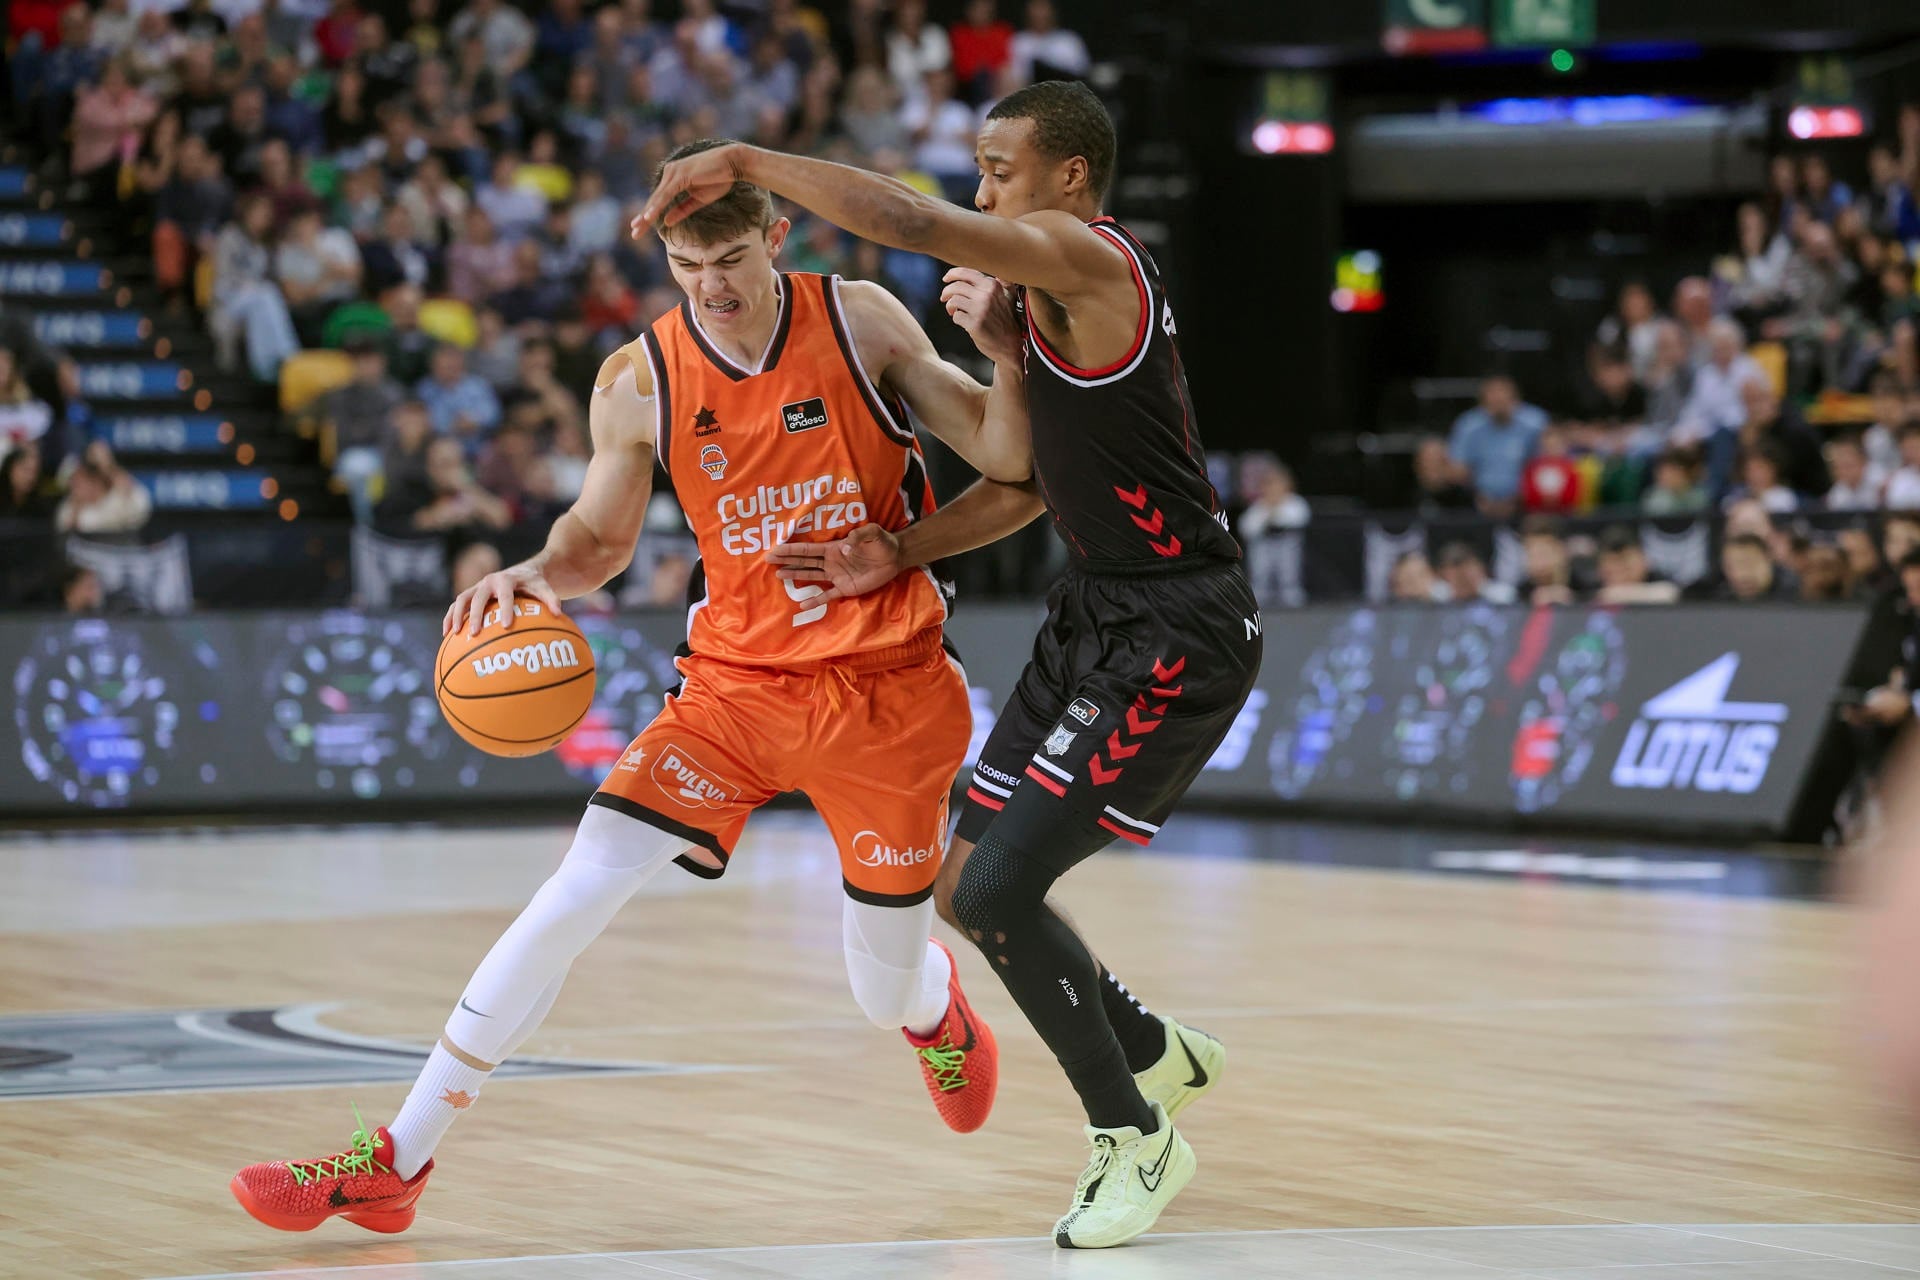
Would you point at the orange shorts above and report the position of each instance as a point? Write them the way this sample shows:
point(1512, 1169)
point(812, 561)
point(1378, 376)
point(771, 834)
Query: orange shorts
point(876, 751)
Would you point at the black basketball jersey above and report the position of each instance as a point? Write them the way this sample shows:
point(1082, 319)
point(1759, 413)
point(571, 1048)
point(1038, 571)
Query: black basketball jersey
point(1117, 451)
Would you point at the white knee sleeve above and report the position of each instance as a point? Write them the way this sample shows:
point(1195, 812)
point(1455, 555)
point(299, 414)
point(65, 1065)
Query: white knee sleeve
point(612, 856)
point(898, 976)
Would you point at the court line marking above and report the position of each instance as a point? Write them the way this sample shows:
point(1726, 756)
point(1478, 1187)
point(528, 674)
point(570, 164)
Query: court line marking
point(640, 1255)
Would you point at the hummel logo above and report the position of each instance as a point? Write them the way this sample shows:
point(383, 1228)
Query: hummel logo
point(1150, 1175)
point(1199, 1080)
point(470, 1009)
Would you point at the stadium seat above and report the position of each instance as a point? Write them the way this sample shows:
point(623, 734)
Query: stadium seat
point(355, 320)
point(1772, 357)
point(308, 375)
point(449, 320)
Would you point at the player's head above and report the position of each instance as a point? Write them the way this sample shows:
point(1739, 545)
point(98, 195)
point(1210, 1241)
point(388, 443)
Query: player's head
point(1047, 146)
point(722, 253)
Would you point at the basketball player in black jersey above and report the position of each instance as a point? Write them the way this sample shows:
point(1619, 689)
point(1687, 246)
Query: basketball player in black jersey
point(1152, 639)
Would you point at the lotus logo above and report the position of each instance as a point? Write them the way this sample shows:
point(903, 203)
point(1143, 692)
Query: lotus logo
point(1691, 738)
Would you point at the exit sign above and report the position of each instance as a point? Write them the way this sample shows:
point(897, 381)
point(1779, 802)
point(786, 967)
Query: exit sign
point(1435, 26)
point(1543, 22)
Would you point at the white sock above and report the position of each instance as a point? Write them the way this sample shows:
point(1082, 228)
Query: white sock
point(446, 1087)
point(931, 1009)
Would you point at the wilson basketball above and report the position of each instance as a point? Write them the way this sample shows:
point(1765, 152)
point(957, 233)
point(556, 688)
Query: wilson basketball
point(519, 690)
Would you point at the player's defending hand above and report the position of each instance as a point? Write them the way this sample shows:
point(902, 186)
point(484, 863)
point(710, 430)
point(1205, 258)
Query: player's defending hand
point(499, 589)
point(687, 184)
point(983, 307)
point(865, 560)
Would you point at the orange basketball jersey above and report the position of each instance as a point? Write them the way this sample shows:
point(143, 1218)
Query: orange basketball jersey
point(802, 449)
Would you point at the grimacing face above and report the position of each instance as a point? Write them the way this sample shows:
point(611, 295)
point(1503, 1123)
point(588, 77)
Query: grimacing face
point(1015, 179)
point(729, 282)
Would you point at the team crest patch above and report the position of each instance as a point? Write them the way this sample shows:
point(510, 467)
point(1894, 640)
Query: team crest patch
point(713, 461)
point(1083, 711)
point(805, 415)
point(1059, 740)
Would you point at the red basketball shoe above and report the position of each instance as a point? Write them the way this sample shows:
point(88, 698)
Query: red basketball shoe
point(960, 1061)
point(299, 1195)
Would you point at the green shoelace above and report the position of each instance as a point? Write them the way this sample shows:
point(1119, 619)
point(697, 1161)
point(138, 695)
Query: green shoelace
point(358, 1160)
point(946, 1063)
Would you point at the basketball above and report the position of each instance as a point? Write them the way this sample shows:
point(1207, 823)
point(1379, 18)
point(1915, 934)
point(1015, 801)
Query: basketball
point(515, 691)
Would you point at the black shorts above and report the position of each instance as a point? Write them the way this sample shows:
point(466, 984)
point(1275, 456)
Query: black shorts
point(1134, 682)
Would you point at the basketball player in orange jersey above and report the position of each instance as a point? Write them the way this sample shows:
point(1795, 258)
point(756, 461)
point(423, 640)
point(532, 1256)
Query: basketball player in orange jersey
point(1152, 640)
point(777, 403)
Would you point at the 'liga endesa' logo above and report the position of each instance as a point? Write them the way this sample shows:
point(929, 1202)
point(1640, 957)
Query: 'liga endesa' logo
point(869, 850)
point(538, 656)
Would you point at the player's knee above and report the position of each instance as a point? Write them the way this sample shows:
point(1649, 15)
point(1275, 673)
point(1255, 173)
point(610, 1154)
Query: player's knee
point(997, 888)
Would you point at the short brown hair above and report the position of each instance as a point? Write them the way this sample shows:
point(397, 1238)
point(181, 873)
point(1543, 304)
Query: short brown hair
point(744, 209)
point(1068, 121)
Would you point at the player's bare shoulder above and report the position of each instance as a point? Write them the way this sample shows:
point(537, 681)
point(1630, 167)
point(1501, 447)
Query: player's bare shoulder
point(881, 326)
point(621, 413)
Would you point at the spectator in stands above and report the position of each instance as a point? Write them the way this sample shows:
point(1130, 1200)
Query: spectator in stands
point(1758, 274)
point(1824, 573)
point(80, 591)
point(1693, 309)
point(1272, 505)
point(1549, 564)
point(189, 210)
point(516, 208)
point(1466, 578)
point(1612, 398)
point(504, 32)
point(438, 205)
point(25, 418)
point(1677, 488)
point(943, 129)
point(21, 495)
point(1551, 481)
point(1493, 441)
point(1748, 573)
point(1625, 577)
point(1438, 479)
point(1411, 581)
point(1825, 198)
point(108, 124)
point(1760, 467)
point(1715, 404)
point(870, 115)
point(101, 497)
point(1889, 707)
point(1043, 50)
point(1903, 487)
point(451, 502)
point(496, 350)
point(397, 256)
point(1668, 381)
point(247, 304)
point(459, 404)
point(1815, 326)
point(475, 561)
point(533, 295)
point(1895, 214)
point(1858, 484)
point(479, 264)
point(1629, 333)
point(982, 50)
point(1769, 420)
point(355, 415)
point(318, 268)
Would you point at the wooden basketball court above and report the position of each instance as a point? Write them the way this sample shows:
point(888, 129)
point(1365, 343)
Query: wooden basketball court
point(1431, 1075)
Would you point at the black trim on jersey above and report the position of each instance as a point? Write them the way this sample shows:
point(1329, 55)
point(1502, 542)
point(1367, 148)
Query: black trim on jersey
point(654, 818)
point(896, 431)
point(914, 485)
point(872, 899)
point(779, 343)
point(663, 420)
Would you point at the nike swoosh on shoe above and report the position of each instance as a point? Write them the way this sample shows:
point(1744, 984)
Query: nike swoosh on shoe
point(1199, 1080)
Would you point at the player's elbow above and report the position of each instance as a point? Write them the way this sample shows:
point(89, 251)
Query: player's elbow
point(1006, 468)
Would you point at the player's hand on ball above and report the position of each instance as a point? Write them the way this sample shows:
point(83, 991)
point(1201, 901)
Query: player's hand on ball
point(497, 590)
point(865, 560)
point(983, 307)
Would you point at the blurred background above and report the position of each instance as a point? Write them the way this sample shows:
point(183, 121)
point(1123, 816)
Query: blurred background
point(1558, 359)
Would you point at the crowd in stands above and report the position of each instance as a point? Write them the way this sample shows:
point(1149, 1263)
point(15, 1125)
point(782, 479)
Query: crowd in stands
point(442, 188)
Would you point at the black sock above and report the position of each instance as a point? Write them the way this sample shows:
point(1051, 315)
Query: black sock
point(1000, 903)
point(1143, 1037)
point(1107, 1091)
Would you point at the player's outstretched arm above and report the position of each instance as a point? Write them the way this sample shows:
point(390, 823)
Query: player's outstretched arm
point(594, 539)
point(870, 557)
point(985, 425)
point(1049, 250)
